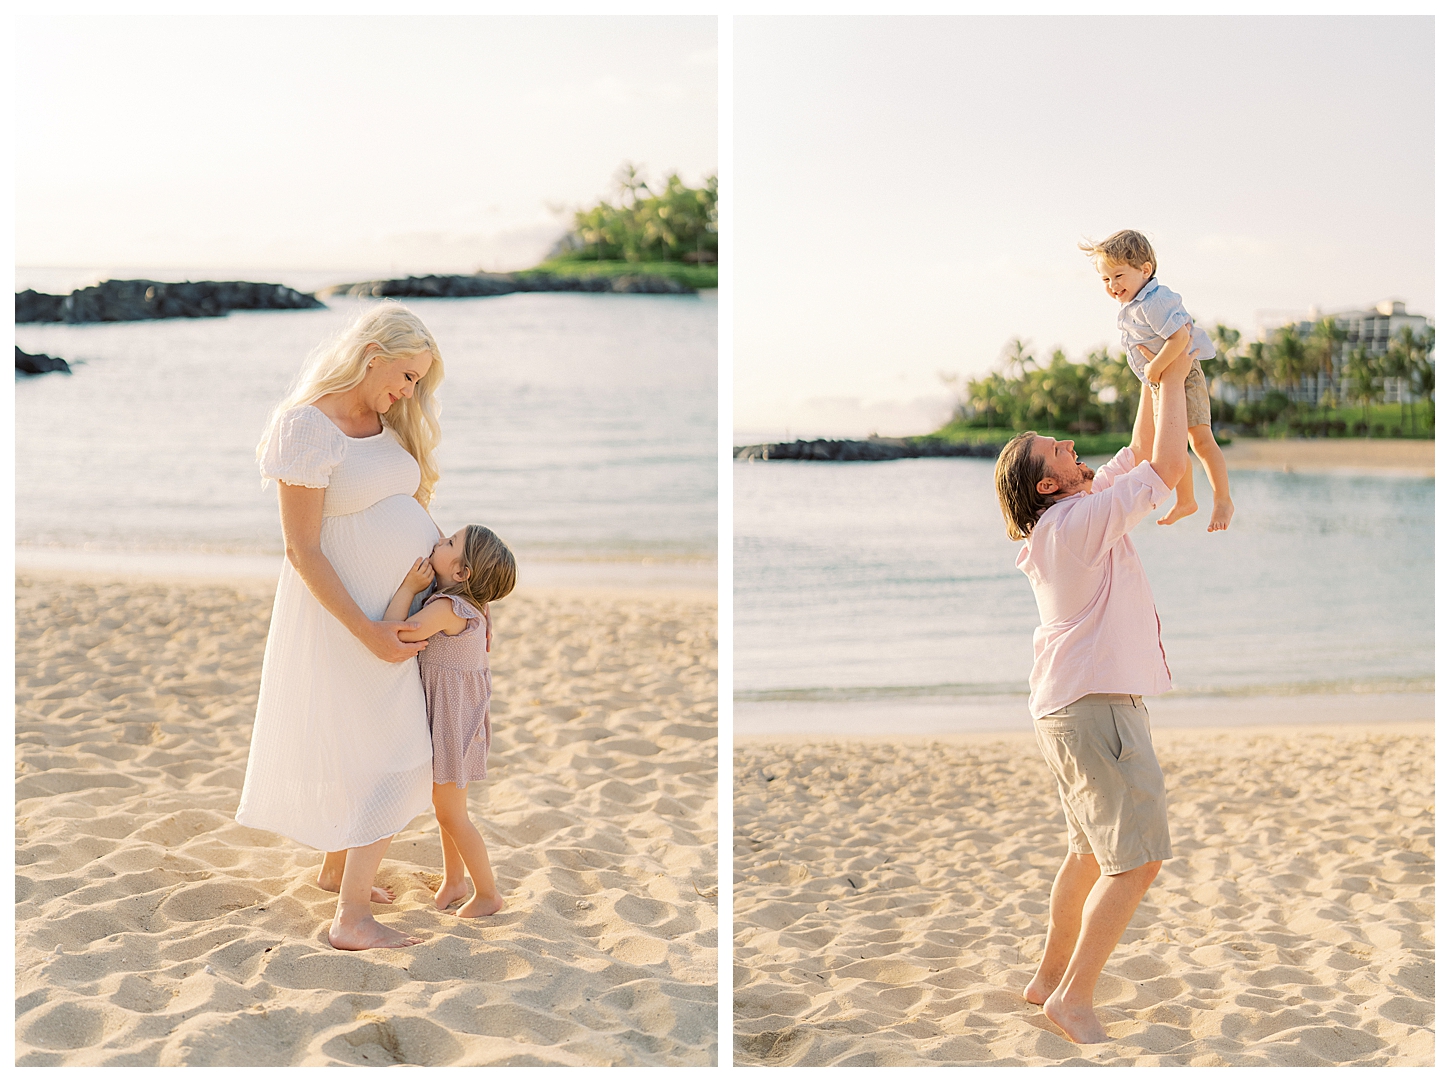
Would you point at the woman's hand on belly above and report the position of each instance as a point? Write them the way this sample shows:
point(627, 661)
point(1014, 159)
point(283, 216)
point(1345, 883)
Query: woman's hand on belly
point(381, 637)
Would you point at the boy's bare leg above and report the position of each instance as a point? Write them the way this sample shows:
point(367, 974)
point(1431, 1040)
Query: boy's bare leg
point(353, 926)
point(1069, 891)
point(1209, 453)
point(1184, 504)
point(329, 877)
point(1110, 905)
point(450, 803)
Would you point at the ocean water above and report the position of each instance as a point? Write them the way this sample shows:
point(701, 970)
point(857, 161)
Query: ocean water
point(580, 426)
point(895, 581)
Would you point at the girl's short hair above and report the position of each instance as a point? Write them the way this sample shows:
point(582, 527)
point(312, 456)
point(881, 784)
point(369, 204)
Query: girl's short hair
point(490, 565)
point(1126, 246)
point(1018, 471)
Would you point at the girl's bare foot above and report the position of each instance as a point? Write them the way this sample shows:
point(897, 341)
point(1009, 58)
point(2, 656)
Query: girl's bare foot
point(1180, 510)
point(1038, 990)
point(381, 895)
point(448, 893)
point(1223, 513)
point(1079, 1022)
point(482, 905)
point(356, 931)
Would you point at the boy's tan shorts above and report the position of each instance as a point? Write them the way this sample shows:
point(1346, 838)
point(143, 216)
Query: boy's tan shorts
point(1100, 750)
point(1195, 392)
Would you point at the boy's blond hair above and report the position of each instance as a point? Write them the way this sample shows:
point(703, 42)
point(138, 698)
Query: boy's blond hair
point(1126, 246)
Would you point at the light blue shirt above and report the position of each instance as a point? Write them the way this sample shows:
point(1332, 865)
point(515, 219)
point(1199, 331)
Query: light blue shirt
point(1148, 320)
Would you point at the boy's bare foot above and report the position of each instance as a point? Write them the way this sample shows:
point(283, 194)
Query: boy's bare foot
point(1038, 990)
point(482, 905)
point(381, 895)
point(1079, 1022)
point(448, 893)
point(1223, 513)
point(360, 932)
point(1180, 510)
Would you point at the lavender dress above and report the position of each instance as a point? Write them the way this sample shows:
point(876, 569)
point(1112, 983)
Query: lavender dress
point(457, 686)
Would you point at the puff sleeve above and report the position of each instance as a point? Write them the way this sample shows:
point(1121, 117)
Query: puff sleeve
point(302, 449)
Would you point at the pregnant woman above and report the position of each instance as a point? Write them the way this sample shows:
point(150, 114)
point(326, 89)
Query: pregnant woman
point(341, 758)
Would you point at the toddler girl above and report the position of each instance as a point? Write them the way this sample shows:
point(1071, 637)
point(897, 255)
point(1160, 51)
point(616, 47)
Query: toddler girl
point(472, 568)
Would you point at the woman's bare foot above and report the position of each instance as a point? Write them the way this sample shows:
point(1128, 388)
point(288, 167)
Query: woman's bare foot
point(1038, 990)
point(381, 895)
point(1180, 510)
point(1223, 513)
point(1079, 1022)
point(354, 931)
point(448, 893)
point(482, 905)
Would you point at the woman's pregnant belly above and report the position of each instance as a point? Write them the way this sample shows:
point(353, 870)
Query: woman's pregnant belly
point(373, 549)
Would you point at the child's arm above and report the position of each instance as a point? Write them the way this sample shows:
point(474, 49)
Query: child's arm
point(1172, 349)
point(418, 579)
point(437, 615)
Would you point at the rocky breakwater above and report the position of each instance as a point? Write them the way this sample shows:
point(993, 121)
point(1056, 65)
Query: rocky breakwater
point(876, 449)
point(496, 285)
point(37, 364)
point(130, 299)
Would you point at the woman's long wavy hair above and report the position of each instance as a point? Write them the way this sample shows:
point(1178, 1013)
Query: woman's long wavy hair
point(384, 332)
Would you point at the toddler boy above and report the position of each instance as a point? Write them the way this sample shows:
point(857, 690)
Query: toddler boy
point(1156, 331)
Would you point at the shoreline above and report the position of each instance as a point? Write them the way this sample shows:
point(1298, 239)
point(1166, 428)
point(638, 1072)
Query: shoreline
point(649, 575)
point(1006, 715)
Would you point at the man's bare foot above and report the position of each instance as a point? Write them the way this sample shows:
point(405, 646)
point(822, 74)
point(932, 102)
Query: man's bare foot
point(1223, 513)
point(381, 895)
point(1038, 990)
point(482, 905)
point(1180, 510)
point(1079, 1022)
point(359, 932)
point(448, 893)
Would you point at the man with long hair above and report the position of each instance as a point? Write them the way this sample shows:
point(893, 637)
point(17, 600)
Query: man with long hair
point(1095, 654)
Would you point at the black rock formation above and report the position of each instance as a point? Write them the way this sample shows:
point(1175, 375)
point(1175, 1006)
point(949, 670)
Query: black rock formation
point(120, 299)
point(36, 364)
point(877, 449)
point(494, 285)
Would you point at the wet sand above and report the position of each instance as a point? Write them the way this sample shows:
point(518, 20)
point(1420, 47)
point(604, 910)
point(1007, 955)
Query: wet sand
point(152, 929)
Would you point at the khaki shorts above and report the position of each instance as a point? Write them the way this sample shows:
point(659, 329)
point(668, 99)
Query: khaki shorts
point(1195, 393)
point(1100, 750)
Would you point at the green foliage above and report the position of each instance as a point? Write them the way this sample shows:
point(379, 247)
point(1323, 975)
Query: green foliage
point(692, 275)
point(675, 224)
point(1284, 384)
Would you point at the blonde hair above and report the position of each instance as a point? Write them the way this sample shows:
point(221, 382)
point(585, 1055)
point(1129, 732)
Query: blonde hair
point(1018, 471)
point(1126, 246)
point(385, 331)
point(490, 566)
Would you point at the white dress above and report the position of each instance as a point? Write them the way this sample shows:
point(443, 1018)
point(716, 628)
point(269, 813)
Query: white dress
point(341, 755)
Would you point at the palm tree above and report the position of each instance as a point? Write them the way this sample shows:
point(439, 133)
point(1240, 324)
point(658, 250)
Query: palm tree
point(1362, 371)
point(1324, 339)
point(1397, 363)
point(1016, 358)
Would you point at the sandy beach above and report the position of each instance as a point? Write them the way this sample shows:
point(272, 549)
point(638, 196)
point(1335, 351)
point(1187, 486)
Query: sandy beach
point(891, 901)
point(152, 929)
point(1405, 458)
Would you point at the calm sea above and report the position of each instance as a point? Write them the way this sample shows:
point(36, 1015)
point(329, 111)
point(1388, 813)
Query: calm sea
point(895, 581)
point(581, 427)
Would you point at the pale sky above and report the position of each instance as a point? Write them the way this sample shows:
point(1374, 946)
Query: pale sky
point(909, 191)
point(397, 137)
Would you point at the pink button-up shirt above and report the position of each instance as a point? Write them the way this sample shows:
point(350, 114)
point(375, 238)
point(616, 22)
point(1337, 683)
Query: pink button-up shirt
point(1100, 630)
